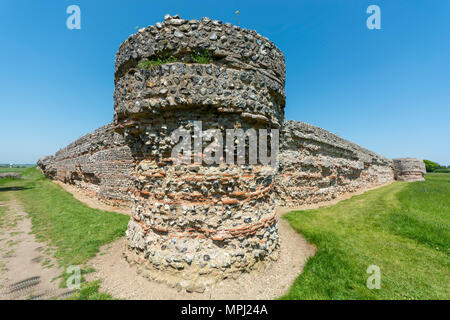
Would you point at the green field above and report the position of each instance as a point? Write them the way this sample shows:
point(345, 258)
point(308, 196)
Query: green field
point(403, 228)
point(72, 229)
point(7, 169)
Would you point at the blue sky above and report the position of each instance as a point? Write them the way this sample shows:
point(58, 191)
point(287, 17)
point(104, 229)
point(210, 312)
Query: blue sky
point(387, 90)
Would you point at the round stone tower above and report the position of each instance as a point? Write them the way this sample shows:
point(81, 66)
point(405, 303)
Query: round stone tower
point(195, 223)
point(409, 169)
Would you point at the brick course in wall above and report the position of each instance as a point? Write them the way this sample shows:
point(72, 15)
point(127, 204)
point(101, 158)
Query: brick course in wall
point(315, 166)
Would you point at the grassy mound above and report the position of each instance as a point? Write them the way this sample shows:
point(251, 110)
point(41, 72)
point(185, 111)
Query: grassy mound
point(73, 228)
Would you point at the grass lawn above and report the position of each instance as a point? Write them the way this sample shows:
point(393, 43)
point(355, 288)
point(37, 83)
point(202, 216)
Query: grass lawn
point(18, 170)
point(71, 228)
point(403, 228)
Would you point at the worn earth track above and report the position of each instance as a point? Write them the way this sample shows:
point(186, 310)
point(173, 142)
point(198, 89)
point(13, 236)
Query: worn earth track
point(127, 281)
point(27, 268)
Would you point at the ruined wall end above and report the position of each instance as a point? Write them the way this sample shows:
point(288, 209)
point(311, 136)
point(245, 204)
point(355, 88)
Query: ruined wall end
point(318, 166)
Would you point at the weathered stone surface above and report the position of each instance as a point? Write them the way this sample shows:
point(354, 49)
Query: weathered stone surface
point(198, 223)
point(47, 166)
point(100, 163)
point(409, 169)
point(318, 166)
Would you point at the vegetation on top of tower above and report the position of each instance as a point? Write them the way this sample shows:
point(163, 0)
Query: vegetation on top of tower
point(201, 56)
point(198, 56)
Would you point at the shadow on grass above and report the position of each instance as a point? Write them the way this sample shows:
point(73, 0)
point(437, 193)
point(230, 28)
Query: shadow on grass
point(4, 189)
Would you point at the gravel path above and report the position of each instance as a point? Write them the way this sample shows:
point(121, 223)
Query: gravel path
point(27, 269)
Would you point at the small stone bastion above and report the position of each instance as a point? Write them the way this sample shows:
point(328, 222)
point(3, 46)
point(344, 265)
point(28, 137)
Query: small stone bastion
point(409, 169)
point(194, 224)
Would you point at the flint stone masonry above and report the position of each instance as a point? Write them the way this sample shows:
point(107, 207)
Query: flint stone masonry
point(308, 154)
point(409, 169)
point(99, 163)
point(318, 166)
point(13, 175)
point(194, 224)
point(246, 75)
point(198, 223)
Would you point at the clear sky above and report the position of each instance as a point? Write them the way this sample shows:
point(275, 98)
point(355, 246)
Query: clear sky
point(387, 90)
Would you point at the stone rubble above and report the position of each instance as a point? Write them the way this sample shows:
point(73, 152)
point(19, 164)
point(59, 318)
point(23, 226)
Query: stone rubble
point(13, 175)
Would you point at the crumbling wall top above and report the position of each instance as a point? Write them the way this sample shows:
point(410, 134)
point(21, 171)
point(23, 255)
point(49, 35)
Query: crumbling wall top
point(230, 45)
point(102, 138)
point(203, 66)
point(294, 132)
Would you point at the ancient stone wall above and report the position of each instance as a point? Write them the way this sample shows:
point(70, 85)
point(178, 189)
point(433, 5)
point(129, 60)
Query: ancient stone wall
point(99, 163)
point(409, 169)
point(315, 166)
point(318, 166)
point(198, 222)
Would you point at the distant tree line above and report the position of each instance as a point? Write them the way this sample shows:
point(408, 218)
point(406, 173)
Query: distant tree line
point(435, 167)
point(7, 165)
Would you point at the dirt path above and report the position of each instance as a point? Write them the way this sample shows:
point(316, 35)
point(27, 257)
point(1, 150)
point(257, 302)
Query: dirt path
point(122, 280)
point(27, 268)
